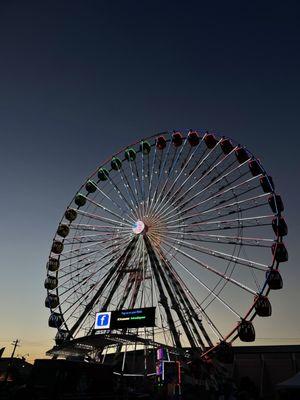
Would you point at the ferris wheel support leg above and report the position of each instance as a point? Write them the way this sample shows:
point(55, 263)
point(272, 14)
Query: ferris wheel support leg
point(163, 299)
point(169, 287)
point(191, 313)
point(121, 273)
point(188, 306)
point(131, 281)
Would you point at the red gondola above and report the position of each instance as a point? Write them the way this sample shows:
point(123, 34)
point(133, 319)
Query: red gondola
point(263, 306)
point(274, 279)
point(193, 138)
point(241, 154)
point(177, 139)
point(161, 142)
point(280, 252)
point(210, 140)
point(246, 331)
point(226, 145)
point(279, 226)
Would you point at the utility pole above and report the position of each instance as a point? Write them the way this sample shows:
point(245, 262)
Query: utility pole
point(16, 344)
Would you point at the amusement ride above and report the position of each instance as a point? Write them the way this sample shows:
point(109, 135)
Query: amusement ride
point(173, 243)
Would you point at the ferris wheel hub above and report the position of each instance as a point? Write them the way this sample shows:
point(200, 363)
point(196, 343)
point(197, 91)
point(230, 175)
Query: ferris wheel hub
point(139, 227)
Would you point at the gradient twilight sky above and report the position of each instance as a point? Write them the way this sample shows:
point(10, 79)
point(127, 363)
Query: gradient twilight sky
point(80, 79)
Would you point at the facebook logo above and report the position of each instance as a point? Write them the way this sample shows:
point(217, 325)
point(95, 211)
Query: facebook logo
point(103, 320)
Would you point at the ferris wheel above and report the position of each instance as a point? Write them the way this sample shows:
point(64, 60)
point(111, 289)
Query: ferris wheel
point(185, 222)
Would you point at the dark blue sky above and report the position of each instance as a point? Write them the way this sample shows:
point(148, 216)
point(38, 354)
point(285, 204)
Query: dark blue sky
point(80, 79)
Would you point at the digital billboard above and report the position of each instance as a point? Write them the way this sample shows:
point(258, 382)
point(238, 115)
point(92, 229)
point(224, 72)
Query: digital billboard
point(135, 318)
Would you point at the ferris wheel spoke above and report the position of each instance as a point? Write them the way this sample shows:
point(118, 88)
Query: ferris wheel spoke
point(79, 236)
point(73, 289)
point(90, 305)
point(98, 228)
point(74, 302)
point(112, 249)
point(134, 190)
point(156, 196)
point(80, 304)
point(155, 267)
point(223, 192)
point(75, 256)
point(140, 287)
point(133, 282)
point(216, 179)
point(88, 253)
point(139, 179)
point(239, 221)
point(111, 289)
point(76, 250)
point(231, 244)
point(121, 273)
point(129, 285)
point(151, 175)
point(120, 225)
point(161, 167)
point(216, 196)
point(147, 184)
point(104, 208)
point(182, 171)
point(228, 183)
point(213, 270)
point(220, 284)
point(142, 181)
point(171, 169)
point(225, 239)
point(118, 206)
point(201, 162)
point(215, 296)
point(85, 266)
point(130, 282)
point(225, 256)
point(193, 320)
point(179, 305)
point(130, 194)
point(77, 304)
point(114, 246)
point(184, 323)
point(76, 240)
point(143, 276)
point(237, 210)
point(212, 326)
point(108, 235)
point(211, 292)
point(232, 212)
point(219, 177)
point(163, 321)
point(86, 278)
point(119, 192)
point(237, 203)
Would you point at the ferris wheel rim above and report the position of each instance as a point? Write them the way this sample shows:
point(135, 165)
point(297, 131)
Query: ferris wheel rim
point(274, 265)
